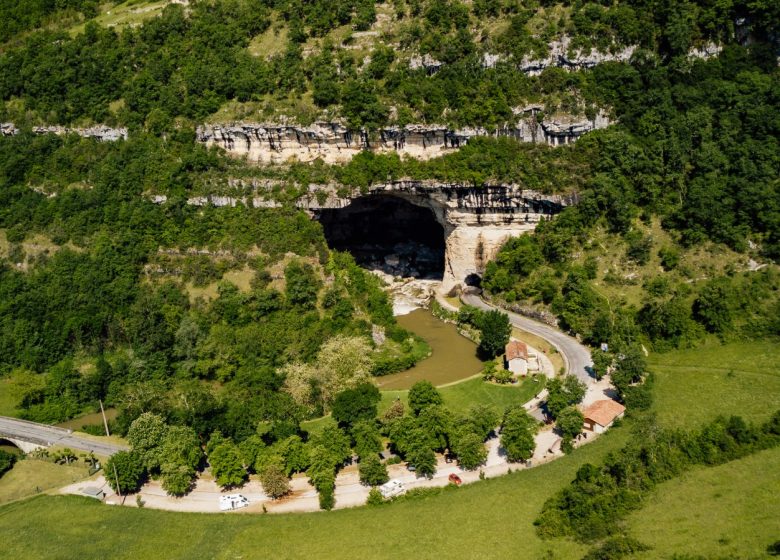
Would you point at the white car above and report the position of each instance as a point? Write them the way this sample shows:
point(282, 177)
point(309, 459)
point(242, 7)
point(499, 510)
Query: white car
point(232, 501)
point(392, 488)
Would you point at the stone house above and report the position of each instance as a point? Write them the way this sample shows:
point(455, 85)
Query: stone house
point(600, 415)
point(516, 357)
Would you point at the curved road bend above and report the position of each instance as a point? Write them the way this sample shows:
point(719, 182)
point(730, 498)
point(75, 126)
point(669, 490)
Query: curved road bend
point(42, 434)
point(575, 355)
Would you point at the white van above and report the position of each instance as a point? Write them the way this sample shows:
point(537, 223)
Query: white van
point(232, 501)
point(392, 488)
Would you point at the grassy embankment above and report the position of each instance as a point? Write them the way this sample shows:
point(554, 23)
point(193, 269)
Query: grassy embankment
point(726, 511)
point(32, 476)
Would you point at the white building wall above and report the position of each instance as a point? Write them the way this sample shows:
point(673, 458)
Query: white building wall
point(518, 366)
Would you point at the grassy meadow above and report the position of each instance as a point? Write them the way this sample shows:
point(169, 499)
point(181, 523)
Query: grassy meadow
point(461, 396)
point(728, 511)
point(31, 476)
point(696, 385)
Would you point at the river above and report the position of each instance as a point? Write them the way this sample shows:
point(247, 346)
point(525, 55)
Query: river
point(453, 357)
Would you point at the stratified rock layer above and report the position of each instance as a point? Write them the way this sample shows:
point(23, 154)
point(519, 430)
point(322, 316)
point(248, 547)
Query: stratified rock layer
point(100, 132)
point(335, 143)
point(476, 220)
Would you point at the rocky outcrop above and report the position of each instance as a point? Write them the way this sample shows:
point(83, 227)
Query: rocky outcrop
point(102, 133)
point(562, 56)
point(476, 221)
point(335, 143)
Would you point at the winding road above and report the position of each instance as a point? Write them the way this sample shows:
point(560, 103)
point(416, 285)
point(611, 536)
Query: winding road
point(575, 355)
point(46, 436)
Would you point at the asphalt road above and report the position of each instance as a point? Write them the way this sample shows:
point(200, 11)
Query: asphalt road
point(575, 355)
point(45, 435)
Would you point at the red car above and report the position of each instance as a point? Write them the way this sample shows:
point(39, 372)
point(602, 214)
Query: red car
point(455, 479)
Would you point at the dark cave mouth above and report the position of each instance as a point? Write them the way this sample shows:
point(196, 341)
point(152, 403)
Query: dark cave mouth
point(389, 234)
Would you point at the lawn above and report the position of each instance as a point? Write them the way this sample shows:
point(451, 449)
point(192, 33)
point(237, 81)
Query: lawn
point(30, 476)
point(490, 519)
point(460, 397)
point(694, 386)
point(729, 511)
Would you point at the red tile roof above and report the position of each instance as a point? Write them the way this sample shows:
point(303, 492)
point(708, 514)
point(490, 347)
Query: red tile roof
point(516, 349)
point(603, 412)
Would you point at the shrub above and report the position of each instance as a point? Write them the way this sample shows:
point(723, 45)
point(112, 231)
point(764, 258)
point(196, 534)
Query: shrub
point(375, 497)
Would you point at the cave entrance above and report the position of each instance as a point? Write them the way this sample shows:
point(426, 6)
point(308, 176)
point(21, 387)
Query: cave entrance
point(387, 233)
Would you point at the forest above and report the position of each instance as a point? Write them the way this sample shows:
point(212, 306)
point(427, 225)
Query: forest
point(186, 63)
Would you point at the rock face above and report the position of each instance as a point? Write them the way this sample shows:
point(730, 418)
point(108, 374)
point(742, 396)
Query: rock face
point(476, 220)
point(335, 143)
point(561, 56)
point(102, 133)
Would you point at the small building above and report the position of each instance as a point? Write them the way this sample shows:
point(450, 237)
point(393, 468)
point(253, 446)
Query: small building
point(601, 414)
point(516, 357)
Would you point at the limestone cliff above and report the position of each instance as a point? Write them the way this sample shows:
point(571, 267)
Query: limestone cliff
point(100, 132)
point(476, 220)
point(335, 143)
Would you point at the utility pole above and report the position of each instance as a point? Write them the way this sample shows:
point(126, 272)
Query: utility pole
point(105, 422)
point(118, 488)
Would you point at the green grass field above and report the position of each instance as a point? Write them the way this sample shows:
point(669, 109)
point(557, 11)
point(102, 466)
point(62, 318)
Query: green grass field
point(32, 476)
point(460, 397)
point(694, 386)
point(729, 511)
point(7, 402)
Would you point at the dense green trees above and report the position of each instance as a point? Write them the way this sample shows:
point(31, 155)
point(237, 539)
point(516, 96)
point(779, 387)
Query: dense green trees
point(274, 481)
point(372, 471)
point(422, 395)
point(226, 465)
point(125, 472)
point(354, 405)
point(7, 461)
point(569, 423)
point(562, 393)
point(517, 434)
point(494, 331)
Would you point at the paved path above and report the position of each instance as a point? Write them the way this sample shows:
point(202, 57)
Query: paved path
point(42, 434)
point(575, 355)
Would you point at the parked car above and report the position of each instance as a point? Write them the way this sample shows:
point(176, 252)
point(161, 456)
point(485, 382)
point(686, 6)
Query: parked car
point(232, 501)
point(455, 479)
point(392, 488)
